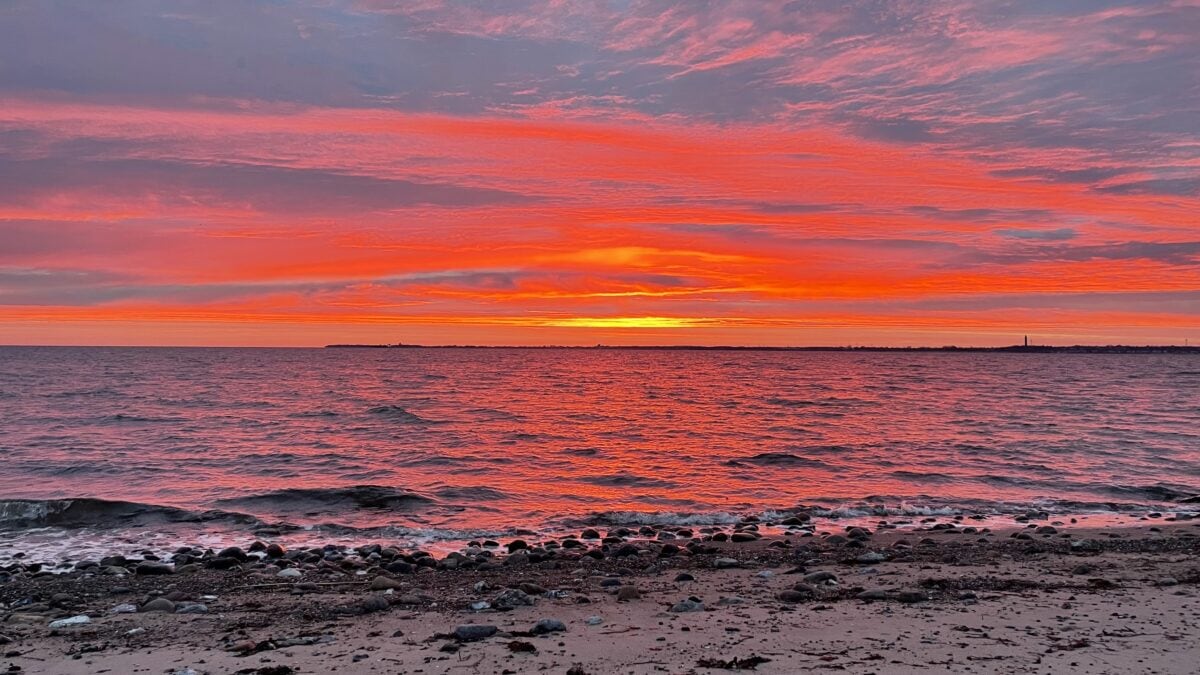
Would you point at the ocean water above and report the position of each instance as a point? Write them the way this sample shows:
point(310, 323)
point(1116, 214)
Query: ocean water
point(151, 446)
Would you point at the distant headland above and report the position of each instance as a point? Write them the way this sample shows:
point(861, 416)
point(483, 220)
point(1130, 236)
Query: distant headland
point(1010, 349)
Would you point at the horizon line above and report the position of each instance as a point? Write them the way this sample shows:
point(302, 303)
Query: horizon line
point(1114, 347)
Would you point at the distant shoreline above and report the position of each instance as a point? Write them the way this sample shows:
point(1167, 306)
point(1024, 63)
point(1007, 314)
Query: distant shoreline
point(1012, 349)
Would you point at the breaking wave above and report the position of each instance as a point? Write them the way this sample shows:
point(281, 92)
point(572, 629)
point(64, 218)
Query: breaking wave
point(104, 513)
point(336, 498)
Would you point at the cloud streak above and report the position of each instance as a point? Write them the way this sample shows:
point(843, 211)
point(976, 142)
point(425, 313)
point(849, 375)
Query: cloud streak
point(579, 172)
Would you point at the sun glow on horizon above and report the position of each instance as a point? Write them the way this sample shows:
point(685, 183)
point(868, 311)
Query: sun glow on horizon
point(763, 180)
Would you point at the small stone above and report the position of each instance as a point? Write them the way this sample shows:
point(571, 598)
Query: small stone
point(222, 563)
point(874, 594)
point(275, 551)
point(384, 583)
point(689, 605)
point(473, 632)
point(374, 603)
point(235, 553)
point(150, 568)
point(512, 598)
point(594, 620)
point(627, 593)
point(742, 537)
point(910, 597)
point(684, 576)
point(480, 606)
point(626, 550)
point(725, 563)
point(124, 608)
point(799, 593)
point(69, 622)
point(870, 558)
point(821, 577)
point(544, 626)
point(192, 608)
point(159, 605)
point(289, 573)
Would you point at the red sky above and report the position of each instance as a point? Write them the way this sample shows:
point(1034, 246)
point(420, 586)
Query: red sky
point(581, 172)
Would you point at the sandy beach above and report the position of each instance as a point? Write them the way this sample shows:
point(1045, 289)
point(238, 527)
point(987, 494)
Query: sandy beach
point(941, 597)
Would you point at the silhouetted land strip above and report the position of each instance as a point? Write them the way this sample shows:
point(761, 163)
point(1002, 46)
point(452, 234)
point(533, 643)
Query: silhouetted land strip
point(1013, 349)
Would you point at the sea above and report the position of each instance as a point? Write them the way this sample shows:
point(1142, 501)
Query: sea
point(145, 449)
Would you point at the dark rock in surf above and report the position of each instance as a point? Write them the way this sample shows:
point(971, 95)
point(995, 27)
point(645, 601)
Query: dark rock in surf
point(149, 568)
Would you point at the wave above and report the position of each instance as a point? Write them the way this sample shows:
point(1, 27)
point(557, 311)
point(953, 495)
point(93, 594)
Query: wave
point(336, 498)
point(1158, 492)
point(779, 459)
point(626, 480)
point(922, 477)
point(122, 418)
point(476, 492)
point(104, 513)
point(397, 413)
point(659, 518)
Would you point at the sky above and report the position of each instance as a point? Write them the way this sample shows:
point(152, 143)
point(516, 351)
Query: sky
point(624, 172)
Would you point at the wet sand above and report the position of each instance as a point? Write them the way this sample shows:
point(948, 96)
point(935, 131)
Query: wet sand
point(1025, 600)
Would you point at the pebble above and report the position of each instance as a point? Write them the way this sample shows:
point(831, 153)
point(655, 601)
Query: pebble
point(72, 621)
point(385, 583)
point(233, 552)
point(627, 593)
point(544, 626)
point(192, 608)
point(149, 568)
point(124, 608)
point(289, 573)
point(911, 596)
point(684, 576)
point(159, 605)
point(689, 605)
point(594, 620)
point(474, 631)
point(374, 603)
point(511, 599)
point(481, 606)
point(874, 594)
point(821, 577)
point(725, 563)
point(871, 558)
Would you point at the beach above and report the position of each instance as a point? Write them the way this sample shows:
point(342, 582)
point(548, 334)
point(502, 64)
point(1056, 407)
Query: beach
point(942, 595)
